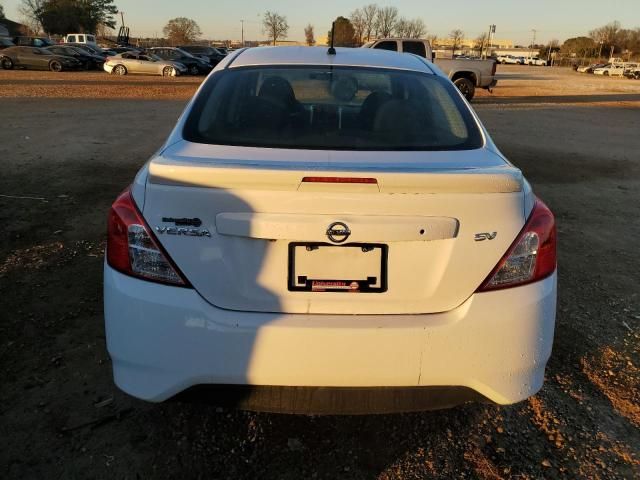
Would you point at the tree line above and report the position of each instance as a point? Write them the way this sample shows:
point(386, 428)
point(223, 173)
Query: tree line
point(604, 41)
point(59, 17)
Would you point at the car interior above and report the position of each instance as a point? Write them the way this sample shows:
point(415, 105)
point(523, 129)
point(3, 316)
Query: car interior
point(324, 109)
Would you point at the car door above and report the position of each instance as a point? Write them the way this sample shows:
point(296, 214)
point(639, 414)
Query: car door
point(28, 58)
point(147, 65)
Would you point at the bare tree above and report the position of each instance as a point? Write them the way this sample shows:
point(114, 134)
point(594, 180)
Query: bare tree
point(308, 35)
point(416, 28)
point(481, 42)
point(358, 21)
point(32, 12)
point(402, 28)
point(181, 30)
point(608, 34)
point(433, 39)
point(456, 37)
point(103, 31)
point(386, 21)
point(369, 16)
point(275, 26)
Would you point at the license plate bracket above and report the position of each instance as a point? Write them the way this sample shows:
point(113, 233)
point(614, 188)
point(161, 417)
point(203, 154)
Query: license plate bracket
point(324, 267)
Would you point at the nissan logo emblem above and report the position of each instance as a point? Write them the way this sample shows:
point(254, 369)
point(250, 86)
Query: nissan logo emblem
point(338, 232)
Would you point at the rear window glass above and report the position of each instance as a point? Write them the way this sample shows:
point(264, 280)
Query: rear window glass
point(339, 108)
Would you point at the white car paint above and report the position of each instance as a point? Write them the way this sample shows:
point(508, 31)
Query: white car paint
point(239, 323)
point(610, 70)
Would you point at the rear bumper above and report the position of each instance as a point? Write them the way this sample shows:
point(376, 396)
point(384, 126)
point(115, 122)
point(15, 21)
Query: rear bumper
point(164, 340)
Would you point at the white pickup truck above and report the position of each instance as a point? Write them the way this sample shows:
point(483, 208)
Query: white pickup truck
point(466, 74)
point(84, 38)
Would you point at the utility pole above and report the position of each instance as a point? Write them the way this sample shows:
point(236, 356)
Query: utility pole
point(492, 30)
point(600, 51)
point(533, 42)
point(242, 29)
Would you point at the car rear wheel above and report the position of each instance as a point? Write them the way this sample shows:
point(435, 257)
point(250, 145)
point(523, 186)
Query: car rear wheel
point(169, 72)
point(55, 66)
point(465, 86)
point(606, 74)
point(120, 70)
point(6, 63)
point(193, 70)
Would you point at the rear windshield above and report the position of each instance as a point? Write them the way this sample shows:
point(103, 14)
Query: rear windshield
point(332, 108)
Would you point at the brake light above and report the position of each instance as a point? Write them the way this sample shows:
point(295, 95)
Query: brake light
point(132, 248)
point(531, 257)
point(339, 180)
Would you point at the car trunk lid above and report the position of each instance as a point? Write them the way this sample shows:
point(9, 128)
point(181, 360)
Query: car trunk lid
point(274, 241)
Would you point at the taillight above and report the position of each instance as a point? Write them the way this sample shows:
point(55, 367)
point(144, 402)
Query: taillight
point(531, 257)
point(133, 249)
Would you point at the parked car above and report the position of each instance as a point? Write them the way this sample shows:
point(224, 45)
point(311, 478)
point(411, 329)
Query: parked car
point(39, 42)
point(32, 58)
point(88, 60)
point(195, 66)
point(6, 43)
point(209, 54)
point(121, 49)
point(83, 38)
point(466, 74)
point(610, 70)
point(330, 234)
point(535, 61)
point(633, 73)
point(510, 59)
point(590, 68)
point(93, 49)
point(139, 63)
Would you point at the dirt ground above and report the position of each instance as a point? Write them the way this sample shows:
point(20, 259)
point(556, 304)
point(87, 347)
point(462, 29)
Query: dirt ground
point(64, 159)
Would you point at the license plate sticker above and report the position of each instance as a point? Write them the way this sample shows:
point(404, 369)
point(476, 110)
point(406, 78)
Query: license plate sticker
point(352, 268)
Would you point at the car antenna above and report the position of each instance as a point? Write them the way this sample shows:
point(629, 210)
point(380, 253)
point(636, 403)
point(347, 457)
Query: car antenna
point(332, 51)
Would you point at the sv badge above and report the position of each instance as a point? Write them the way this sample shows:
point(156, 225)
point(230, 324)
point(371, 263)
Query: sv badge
point(481, 237)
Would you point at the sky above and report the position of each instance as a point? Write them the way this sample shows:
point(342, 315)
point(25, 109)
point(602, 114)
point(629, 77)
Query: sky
point(515, 20)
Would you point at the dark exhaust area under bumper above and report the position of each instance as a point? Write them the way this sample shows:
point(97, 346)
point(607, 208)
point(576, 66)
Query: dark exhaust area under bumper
point(330, 400)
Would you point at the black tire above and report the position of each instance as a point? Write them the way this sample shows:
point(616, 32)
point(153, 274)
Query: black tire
point(606, 74)
point(55, 66)
point(194, 70)
point(466, 87)
point(119, 70)
point(6, 63)
point(503, 62)
point(169, 72)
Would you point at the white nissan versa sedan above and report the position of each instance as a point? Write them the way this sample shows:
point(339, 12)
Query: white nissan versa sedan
point(330, 233)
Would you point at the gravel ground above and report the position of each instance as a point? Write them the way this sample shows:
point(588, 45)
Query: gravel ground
point(64, 160)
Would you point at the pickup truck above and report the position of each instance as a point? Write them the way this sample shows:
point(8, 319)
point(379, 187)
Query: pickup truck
point(466, 74)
